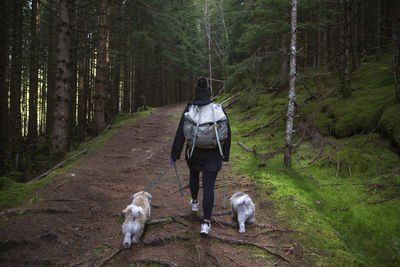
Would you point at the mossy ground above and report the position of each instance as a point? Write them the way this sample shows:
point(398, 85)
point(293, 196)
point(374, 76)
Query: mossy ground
point(338, 222)
point(15, 194)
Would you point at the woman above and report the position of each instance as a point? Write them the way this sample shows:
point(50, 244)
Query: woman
point(207, 161)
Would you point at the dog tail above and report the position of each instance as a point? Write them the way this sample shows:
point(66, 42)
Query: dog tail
point(134, 211)
point(241, 200)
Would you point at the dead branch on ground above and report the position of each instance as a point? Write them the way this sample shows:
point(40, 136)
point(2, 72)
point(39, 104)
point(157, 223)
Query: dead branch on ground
point(265, 156)
point(246, 243)
point(232, 97)
point(163, 240)
point(158, 261)
point(56, 167)
point(45, 210)
point(104, 261)
point(383, 200)
point(264, 126)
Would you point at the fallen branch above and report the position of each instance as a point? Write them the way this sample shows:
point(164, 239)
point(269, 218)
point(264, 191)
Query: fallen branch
point(246, 243)
point(56, 167)
point(22, 210)
point(229, 98)
point(264, 156)
point(116, 252)
point(318, 155)
point(383, 200)
point(264, 126)
point(62, 199)
point(309, 173)
point(158, 261)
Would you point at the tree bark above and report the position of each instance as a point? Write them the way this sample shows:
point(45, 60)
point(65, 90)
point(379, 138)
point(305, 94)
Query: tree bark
point(16, 143)
point(127, 80)
point(4, 55)
point(102, 69)
point(292, 92)
point(33, 73)
point(82, 80)
point(396, 49)
point(59, 140)
point(51, 65)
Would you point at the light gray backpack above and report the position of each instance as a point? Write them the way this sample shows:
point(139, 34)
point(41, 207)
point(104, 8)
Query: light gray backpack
point(205, 127)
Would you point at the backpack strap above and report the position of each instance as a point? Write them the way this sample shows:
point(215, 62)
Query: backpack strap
point(190, 154)
point(216, 133)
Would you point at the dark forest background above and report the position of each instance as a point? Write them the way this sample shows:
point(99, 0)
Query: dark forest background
point(70, 67)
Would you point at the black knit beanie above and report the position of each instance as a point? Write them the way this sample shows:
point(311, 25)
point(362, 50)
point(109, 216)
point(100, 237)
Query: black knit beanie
point(202, 89)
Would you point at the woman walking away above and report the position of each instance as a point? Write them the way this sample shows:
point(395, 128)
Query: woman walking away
point(205, 127)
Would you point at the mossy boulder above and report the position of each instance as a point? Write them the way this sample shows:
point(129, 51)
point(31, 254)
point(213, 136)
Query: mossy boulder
point(6, 183)
point(358, 117)
point(390, 123)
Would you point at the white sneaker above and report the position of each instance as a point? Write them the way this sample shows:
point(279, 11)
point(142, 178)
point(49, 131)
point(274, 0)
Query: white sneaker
point(195, 205)
point(205, 227)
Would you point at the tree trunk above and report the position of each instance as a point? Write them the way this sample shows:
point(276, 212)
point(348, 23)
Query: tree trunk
point(292, 92)
point(15, 90)
point(396, 48)
point(82, 80)
point(102, 69)
point(59, 141)
point(33, 73)
point(73, 70)
point(4, 55)
point(127, 80)
point(51, 65)
point(208, 32)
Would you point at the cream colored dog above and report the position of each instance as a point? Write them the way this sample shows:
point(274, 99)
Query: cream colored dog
point(243, 207)
point(136, 215)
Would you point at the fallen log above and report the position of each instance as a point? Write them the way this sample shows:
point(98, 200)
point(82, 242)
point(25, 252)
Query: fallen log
point(56, 167)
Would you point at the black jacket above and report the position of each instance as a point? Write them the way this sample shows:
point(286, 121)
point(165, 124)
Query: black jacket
point(205, 160)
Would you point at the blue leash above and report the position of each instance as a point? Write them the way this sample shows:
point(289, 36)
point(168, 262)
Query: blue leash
point(159, 178)
point(179, 181)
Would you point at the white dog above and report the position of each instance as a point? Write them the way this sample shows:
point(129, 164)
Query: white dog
point(136, 215)
point(243, 207)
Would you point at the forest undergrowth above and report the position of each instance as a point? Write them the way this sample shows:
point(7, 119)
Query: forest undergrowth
point(342, 194)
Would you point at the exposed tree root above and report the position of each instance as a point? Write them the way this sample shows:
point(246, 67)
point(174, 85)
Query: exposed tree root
point(8, 244)
point(163, 240)
point(45, 210)
point(215, 260)
point(246, 243)
point(235, 262)
point(158, 261)
point(116, 252)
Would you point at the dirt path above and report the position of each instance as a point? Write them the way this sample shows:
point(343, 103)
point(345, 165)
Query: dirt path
point(80, 221)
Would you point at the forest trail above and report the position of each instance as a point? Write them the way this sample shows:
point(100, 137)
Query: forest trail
point(78, 220)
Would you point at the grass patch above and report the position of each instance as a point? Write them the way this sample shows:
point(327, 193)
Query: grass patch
point(14, 194)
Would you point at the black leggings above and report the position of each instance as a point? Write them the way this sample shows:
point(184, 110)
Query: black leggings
point(208, 190)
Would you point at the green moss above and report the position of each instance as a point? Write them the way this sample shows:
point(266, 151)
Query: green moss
point(390, 122)
point(334, 221)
